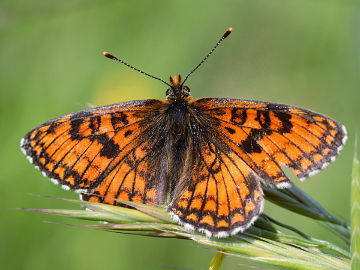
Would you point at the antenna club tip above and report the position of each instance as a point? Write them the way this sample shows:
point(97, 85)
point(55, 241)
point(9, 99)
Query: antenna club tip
point(106, 54)
point(228, 32)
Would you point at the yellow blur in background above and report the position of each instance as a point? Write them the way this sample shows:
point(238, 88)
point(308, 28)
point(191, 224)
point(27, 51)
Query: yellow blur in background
point(302, 53)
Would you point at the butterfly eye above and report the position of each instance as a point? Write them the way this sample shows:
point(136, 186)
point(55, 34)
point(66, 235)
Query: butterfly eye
point(186, 89)
point(169, 92)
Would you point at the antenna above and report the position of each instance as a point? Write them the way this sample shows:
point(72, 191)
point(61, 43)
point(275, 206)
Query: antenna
point(110, 56)
point(225, 35)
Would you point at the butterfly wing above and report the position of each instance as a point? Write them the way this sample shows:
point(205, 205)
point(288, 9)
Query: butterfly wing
point(268, 136)
point(111, 152)
point(101, 151)
point(223, 196)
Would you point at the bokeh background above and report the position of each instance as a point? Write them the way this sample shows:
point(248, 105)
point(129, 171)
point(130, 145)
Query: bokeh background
point(303, 52)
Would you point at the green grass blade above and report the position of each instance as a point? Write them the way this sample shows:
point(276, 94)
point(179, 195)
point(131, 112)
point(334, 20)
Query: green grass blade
point(355, 213)
point(299, 202)
point(82, 214)
point(274, 253)
point(217, 260)
point(145, 213)
point(262, 242)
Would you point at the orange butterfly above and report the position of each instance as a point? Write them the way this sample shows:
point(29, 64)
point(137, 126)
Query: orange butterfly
point(204, 158)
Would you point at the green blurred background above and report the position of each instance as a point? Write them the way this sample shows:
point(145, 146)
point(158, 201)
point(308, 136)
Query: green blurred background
point(304, 53)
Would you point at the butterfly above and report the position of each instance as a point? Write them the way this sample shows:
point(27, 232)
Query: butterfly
point(206, 159)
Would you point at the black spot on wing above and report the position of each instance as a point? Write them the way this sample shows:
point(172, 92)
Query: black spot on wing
point(36, 135)
point(250, 145)
point(230, 130)
point(128, 133)
point(95, 124)
point(75, 127)
point(238, 116)
point(110, 148)
point(51, 129)
point(285, 121)
point(326, 123)
point(119, 119)
point(282, 113)
point(76, 120)
point(263, 117)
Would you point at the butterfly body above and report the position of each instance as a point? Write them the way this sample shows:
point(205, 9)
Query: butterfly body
point(205, 159)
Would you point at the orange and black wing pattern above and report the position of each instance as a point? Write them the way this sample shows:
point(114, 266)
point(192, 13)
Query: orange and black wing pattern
point(100, 151)
point(268, 136)
point(209, 155)
point(223, 197)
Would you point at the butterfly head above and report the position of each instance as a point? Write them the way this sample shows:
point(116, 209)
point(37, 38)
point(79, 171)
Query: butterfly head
point(177, 90)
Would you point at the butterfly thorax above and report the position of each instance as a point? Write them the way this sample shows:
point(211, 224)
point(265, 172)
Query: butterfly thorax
point(178, 143)
point(177, 90)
